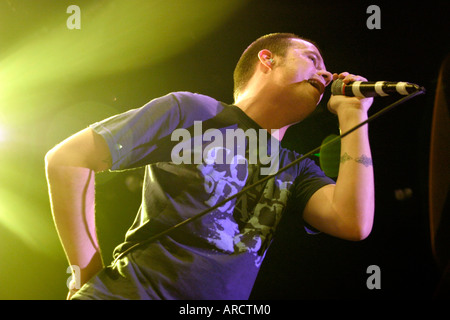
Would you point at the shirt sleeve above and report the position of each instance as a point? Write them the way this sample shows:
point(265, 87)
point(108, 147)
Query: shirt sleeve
point(311, 179)
point(134, 137)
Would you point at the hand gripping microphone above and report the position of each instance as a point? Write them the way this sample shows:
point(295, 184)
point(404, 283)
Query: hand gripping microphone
point(363, 89)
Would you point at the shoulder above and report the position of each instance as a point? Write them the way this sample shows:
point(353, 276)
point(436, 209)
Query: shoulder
point(183, 104)
point(197, 105)
point(187, 97)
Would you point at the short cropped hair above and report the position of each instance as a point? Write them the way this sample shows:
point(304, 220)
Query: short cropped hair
point(277, 43)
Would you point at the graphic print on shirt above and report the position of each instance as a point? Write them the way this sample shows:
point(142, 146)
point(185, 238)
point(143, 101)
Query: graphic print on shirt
point(234, 228)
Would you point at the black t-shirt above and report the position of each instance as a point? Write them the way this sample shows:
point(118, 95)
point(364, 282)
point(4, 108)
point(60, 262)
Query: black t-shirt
point(198, 152)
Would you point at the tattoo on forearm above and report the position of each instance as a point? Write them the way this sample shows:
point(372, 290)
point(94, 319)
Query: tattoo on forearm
point(345, 157)
point(364, 160)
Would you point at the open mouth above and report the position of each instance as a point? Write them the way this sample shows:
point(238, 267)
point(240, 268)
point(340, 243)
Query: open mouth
point(317, 84)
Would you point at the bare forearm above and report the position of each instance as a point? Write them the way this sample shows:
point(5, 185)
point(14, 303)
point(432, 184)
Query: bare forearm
point(346, 209)
point(354, 192)
point(72, 197)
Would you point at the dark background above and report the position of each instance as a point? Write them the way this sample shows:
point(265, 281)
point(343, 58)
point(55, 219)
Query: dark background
point(410, 46)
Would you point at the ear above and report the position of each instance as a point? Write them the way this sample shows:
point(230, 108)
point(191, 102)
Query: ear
point(266, 59)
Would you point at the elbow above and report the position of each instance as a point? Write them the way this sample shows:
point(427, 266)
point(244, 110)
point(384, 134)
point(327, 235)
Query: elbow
point(364, 234)
point(360, 234)
point(360, 227)
point(49, 159)
point(356, 234)
point(55, 159)
point(52, 165)
point(361, 221)
point(61, 156)
point(361, 230)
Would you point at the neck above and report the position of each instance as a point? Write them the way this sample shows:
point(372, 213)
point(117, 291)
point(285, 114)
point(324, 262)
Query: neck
point(260, 108)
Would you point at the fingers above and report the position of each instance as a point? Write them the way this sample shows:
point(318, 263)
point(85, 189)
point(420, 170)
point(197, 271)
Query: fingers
point(348, 77)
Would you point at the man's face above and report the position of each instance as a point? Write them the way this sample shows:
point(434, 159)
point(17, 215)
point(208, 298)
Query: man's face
point(302, 75)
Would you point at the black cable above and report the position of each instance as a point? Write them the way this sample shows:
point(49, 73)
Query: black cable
point(245, 189)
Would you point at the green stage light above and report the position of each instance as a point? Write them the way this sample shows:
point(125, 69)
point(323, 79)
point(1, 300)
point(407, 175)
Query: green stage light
point(329, 156)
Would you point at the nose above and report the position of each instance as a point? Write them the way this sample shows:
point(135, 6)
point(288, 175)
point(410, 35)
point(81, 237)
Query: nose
point(327, 76)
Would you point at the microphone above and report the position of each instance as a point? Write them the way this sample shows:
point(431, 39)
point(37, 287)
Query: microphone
point(366, 89)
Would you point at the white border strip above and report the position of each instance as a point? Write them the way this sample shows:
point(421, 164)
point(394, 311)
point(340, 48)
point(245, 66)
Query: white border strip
point(379, 88)
point(401, 88)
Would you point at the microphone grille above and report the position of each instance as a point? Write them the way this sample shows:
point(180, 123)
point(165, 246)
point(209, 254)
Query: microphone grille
point(336, 87)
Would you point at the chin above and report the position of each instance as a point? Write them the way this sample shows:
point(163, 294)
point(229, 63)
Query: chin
point(311, 103)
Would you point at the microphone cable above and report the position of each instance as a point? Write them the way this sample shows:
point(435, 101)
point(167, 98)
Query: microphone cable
point(245, 189)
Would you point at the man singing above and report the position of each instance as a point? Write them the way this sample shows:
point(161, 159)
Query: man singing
point(278, 81)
